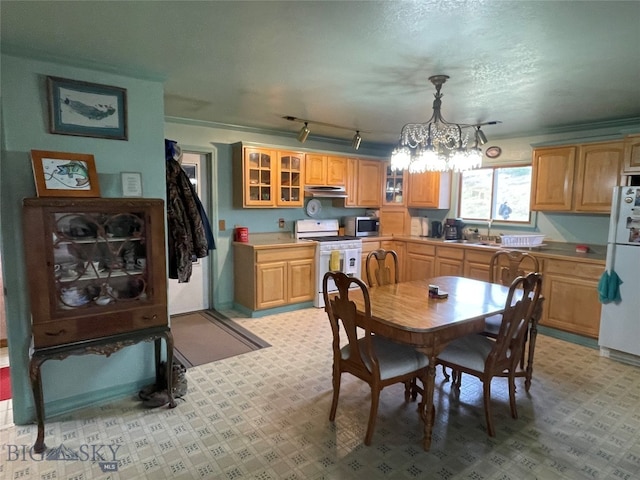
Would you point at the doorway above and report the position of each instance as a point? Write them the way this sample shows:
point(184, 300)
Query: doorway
point(194, 295)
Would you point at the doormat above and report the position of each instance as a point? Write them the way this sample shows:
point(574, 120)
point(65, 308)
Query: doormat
point(5, 384)
point(207, 336)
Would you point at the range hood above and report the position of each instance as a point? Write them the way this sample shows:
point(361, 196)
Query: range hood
point(325, 191)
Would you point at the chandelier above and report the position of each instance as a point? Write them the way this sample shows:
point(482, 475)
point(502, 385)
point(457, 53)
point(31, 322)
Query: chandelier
point(438, 145)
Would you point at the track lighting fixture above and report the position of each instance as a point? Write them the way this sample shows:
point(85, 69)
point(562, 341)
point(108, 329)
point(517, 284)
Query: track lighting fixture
point(357, 139)
point(304, 133)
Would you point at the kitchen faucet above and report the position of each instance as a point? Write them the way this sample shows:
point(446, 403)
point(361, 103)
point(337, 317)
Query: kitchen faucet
point(489, 222)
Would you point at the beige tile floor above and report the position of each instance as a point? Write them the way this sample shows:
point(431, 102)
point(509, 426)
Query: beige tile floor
point(264, 416)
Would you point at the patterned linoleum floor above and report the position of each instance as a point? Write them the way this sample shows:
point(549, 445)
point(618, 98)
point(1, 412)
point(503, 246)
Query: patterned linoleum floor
point(264, 416)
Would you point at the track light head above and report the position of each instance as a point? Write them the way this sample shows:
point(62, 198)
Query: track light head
point(304, 133)
point(357, 139)
point(482, 138)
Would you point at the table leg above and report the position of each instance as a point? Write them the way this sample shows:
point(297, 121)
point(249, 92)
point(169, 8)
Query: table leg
point(427, 409)
point(169, 342)
point(36, 387)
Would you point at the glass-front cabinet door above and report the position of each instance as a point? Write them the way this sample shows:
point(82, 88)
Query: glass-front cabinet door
point(394, 186)
point(259, 166)
point(98, 259)
point(291, 173)
point(95, 267)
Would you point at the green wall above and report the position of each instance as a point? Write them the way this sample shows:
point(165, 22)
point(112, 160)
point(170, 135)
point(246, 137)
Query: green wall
point(81, 380)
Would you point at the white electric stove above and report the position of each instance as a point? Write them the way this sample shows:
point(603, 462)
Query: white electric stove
point(349, 249)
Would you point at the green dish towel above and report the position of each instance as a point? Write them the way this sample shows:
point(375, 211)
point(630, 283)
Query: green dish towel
point(609, 287)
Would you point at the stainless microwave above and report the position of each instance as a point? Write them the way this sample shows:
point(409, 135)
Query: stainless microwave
point(362, 226)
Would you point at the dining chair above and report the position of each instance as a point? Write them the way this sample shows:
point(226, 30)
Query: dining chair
point(383, 275)
point(485, 358)
point(504, 267)
point(371, 358)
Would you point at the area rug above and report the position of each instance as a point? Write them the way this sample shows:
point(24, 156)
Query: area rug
point(5, 384)
point(206, 336)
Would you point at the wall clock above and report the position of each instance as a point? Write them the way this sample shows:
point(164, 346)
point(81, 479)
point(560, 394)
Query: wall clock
point(313, 207)
point(493, 152)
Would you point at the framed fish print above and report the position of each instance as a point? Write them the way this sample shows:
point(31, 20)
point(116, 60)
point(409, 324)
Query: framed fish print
point(87, 109)
point(61, 174)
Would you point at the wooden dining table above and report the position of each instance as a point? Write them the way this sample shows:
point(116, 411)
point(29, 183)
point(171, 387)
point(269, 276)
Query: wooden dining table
point(405, 313)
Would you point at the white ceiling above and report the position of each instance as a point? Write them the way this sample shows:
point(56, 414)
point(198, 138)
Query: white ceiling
point(537, 66)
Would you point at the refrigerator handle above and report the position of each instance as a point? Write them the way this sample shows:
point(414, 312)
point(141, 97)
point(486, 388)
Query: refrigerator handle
point(615, 212)
point(613, 224)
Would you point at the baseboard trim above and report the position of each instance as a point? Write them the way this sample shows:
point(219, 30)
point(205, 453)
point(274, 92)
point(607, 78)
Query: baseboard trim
point(569, 337)
point(57, 408)
point(271, 311)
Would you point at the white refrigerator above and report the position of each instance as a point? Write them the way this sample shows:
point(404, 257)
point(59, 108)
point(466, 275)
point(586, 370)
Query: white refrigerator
point(620, 320)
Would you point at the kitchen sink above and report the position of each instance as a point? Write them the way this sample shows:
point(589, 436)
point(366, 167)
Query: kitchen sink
point(480, 242)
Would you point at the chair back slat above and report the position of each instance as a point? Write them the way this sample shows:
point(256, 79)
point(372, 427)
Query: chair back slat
point(343, 312)
point(383, 273)
point(507, 265)
point(521, 304)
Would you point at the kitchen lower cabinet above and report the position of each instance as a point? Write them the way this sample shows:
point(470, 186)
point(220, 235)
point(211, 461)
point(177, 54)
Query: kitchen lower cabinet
point(419, 261)
point(449, 261)
point(368, 246)
point(476, 264)
point(273, 276)
point(571, 303)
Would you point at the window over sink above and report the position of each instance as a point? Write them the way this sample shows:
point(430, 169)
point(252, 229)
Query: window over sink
point(498, 193)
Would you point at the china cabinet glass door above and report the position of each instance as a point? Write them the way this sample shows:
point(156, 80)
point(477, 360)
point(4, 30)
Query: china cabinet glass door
point(99, 259)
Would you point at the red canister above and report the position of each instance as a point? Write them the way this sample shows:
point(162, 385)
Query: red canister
point(242, 234)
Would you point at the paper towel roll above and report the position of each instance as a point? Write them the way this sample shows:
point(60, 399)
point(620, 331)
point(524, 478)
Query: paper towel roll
point(334, 260)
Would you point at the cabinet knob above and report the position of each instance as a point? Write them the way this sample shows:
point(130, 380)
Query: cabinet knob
point(146, 317)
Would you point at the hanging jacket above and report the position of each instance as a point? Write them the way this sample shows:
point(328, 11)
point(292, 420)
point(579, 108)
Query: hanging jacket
point(186, 232)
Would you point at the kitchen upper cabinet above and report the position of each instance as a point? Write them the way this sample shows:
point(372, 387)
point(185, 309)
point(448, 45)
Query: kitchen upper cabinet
point(577, 178)
point(598, 171)
point(325, 170)
point(429, 190)
point(394, 186)
point(394, 221)
point(552, 178)
point(267, 178)
point(290, 167)
point(364, 178)
point(632, 154)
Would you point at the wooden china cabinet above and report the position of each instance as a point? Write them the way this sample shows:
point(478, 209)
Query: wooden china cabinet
point(96, 271)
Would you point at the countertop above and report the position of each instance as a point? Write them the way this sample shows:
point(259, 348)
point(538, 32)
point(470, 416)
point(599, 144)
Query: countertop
point(560, 250)
point(596, 253)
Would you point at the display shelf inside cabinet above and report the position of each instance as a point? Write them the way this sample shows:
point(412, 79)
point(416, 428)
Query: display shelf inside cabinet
point(101, 346)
